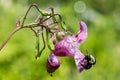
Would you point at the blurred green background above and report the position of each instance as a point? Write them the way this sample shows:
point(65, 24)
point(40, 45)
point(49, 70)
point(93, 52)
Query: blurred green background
point(17, 58)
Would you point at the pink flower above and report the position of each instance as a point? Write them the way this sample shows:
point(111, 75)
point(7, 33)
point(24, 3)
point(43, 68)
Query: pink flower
point(69, 46)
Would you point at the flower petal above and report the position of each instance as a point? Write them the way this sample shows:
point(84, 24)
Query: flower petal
point(52, 63)
point(82, 34)
point(79, 59)
point(66, 47)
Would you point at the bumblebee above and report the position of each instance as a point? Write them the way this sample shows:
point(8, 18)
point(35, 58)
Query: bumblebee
point(90, 61)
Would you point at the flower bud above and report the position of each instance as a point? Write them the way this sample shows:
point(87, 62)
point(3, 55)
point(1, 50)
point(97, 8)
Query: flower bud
point(60, 35)
point(18, 23)
point(52, 63)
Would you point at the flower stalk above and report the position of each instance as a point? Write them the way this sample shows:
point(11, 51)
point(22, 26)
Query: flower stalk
point(41, 23)
point(60, 45)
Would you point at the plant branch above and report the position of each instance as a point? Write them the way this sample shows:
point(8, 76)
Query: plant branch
point(33, 5)
point(8, 38)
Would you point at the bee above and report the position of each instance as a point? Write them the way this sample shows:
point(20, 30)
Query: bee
point(90, 61)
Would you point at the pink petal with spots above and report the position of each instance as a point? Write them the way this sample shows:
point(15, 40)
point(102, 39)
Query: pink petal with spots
point(79, 59)
point(66, 47)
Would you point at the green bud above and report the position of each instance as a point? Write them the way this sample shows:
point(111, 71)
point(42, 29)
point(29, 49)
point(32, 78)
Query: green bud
point(45, 14)
point(60, 35)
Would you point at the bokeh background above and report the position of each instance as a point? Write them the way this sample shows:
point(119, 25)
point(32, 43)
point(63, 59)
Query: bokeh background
point(17, 58)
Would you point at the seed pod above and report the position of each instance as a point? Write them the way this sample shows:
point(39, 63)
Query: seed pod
point(63, 26)
point(52, 63)
point(49, 41)
point(37, 47)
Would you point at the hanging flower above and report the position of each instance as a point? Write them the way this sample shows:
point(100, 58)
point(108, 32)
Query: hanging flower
point(69, 46)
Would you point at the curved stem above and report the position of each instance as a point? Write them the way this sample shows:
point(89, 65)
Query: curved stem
point(34, 32)
point(8, 38)
point(53, 16)
point(33, 5)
